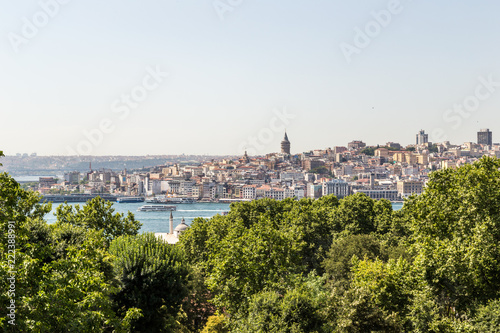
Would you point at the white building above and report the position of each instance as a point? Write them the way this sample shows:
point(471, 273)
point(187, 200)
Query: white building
point(337, 187)
point(249, 192)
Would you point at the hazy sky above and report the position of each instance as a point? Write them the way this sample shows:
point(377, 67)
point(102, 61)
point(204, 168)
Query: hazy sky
point(89, 77)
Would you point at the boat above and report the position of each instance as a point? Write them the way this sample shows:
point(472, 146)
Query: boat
point(163, 200)
point(181, 200)
point(156, 208)
point(130, 199)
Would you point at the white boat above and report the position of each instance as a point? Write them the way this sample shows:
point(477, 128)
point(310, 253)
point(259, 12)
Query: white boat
point(175, 200)
point(156, 208)
point(130, 199)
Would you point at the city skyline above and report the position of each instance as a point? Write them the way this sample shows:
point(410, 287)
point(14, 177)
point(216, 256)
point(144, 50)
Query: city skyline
point(123, 78)
point(484, 137)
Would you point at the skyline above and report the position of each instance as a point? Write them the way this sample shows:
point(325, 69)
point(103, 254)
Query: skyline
point(484, 141)
point(205, 78)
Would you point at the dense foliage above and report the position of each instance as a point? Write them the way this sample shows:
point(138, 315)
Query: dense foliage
point(326, 265)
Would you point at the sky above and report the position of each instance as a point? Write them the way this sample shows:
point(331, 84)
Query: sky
point(219, 77)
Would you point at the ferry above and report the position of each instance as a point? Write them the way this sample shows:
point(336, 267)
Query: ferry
point(163, 200)
point(156, 208)
point(129, 199)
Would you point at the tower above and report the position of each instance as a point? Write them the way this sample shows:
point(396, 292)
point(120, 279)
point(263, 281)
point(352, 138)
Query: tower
point(422, 138)
point(171, 230)
point(485, 137)
point(285, 145)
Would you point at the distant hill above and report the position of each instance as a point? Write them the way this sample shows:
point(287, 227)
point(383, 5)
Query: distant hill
point(48, 165)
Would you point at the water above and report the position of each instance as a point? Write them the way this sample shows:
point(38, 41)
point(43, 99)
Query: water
point(159, 221)
point(397, 205)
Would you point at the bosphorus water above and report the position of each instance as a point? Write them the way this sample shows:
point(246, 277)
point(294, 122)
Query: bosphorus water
point(159, 221)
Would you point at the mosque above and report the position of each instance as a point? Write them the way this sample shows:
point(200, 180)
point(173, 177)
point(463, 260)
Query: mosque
point(172, 236)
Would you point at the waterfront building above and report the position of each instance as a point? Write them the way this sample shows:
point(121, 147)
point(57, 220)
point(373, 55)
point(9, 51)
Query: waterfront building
point(249, 192)
point(406, 188)
point(391, 195)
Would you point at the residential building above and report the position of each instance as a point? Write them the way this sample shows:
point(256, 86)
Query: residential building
point(337, 187)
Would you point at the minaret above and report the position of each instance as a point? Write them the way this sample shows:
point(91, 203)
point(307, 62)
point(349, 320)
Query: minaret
point(285, 145)
point(171, 231)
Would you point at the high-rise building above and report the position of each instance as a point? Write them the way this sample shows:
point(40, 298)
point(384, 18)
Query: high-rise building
point(485, 137)
point(285, 145)
point(422, 137)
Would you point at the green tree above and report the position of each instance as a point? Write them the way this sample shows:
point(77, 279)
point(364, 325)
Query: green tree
point(98, 214)
point(456, 228)
point(370, 151)
point(216, 324)
point(260, 244)
point(62, 283)
point(355, 215)
point(299, 309)
point(488, 317)
point(378, 297)
point(152, 277)
point(320, 170)
point(433, 149)
point(338, 264)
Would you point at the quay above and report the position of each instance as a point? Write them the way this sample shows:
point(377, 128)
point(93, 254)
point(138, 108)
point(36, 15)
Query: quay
point(76, 197)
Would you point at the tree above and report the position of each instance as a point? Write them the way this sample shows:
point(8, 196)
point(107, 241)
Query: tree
point(98, 214)
point(216, 324)
point(260, 244)
point(300, 308)
point(455, 228)
point(62, 280)
point(370, 151)
point(320, 170)
point(355, 215)
point(152, 277)
point(433, 149)
point(338, 263)
point(378, 297)
point(488, 317)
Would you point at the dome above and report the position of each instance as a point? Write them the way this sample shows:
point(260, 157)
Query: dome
point(182, 226)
